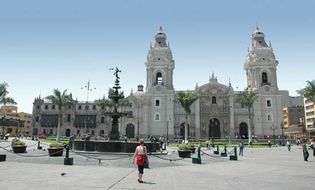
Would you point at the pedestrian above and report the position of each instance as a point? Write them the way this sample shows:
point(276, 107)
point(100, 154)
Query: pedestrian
point(312, 146)
point(289, 146)
point(269, 143)
point(139, 158)
point(305, 152)
point(241, 148)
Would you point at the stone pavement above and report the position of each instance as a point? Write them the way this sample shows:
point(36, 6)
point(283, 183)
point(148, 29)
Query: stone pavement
point(259, 168)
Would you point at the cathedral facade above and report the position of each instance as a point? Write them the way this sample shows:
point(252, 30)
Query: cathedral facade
point(153, 112)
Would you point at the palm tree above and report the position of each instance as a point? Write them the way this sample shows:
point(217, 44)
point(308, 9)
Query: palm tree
point(4, 99)
point(61, 100)
point(308, 92)
point(186, 99)
point(247, 99)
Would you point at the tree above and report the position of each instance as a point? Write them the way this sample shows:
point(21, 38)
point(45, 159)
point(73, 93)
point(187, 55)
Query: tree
point(4, 99)
point(247, 99)
point(186, 99)
point(61, 100)
point(309, 91)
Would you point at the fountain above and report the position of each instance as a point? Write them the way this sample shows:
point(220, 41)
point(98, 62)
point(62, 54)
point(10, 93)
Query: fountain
point(114, 144)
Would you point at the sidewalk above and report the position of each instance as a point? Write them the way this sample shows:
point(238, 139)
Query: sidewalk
point(261, 168)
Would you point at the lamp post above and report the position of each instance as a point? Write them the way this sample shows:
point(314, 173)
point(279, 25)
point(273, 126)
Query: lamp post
point(88, 88)
point(282, 134)
point(273, 128)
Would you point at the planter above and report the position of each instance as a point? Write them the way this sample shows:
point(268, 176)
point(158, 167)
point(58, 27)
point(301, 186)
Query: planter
point(3, 157)
point(184, 153)
point(19, 148)
point(55, 151)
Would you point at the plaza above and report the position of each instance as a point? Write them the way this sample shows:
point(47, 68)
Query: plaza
point(259, 168)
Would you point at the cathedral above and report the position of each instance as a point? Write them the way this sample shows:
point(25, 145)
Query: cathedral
point(153, 112)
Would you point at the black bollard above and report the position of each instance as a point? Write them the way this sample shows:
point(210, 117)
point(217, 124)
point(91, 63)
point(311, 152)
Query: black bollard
point(234, 157)
point(198, 159)
point(3, 157)
point(38, 146)
point(224, 153)
point(217, 151)
point(67, 160)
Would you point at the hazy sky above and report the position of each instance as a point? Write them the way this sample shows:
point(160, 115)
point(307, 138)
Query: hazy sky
point(63, 44)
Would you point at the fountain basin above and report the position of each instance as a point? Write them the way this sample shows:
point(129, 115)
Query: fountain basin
point(111, 146)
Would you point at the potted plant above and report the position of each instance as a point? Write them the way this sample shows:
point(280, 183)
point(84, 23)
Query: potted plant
point(184, 151)
point(55, 149)
point(18, 146)
point(192, 147)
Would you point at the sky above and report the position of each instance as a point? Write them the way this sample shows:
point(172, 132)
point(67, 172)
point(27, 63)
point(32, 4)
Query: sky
point(63, 44)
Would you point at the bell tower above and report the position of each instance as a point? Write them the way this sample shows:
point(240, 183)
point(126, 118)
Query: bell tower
point(261, 64)
point(159, 88)
point(160, 63)
point(261, 72)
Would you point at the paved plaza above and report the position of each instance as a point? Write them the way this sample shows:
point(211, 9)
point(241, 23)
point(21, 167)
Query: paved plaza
point(259, 168)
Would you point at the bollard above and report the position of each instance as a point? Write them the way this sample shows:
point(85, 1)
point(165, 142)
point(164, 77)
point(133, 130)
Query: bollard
point(67, 160)
point(234, 157)
point(3, 157)
point(198, 159)
point(217, 151)
point(38, 146)
point(224, 153)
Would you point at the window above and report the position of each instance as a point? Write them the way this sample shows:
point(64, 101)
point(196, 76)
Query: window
point(93, 133)
point(94, 107)
point(86, 107)
point(159, 59)
point(80, 107)
point(53, 107)
point(157, 103)
point(38, 107)
point(103, 107)
point(37, 119)
point(102, 119)
point(68, 118)
point(69, 107)
point(264, 78)
point(158, 79)
point(269, 117)
point(214, 100)
point(46, 107)
point(268, 103)
point(157, 117)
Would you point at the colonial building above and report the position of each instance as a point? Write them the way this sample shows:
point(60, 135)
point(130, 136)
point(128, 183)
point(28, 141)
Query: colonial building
point(153, 111)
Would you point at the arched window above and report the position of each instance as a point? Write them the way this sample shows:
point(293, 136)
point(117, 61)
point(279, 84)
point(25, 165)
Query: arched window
point(158, 79)
point(269, 117)
point(157, 117)
point(214, 100)
point(264, 78)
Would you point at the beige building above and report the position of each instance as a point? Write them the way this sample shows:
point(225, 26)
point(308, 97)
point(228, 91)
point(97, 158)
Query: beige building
point(309, 117)
point(293, 121)
point(14, 122)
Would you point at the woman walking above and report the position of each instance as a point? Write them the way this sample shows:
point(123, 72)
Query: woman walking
point(139, 158)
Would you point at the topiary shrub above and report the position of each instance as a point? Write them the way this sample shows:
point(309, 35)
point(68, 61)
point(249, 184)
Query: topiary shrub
point(56, 145)
point(18, 143)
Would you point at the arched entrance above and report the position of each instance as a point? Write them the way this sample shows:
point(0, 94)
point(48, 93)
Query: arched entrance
point(243, 130)
point(182, 130)
point(130, 131)
point(68, 132)
point(102, 133)
point(214, 128)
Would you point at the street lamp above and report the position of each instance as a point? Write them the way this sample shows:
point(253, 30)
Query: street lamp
point(273, 128)
point(88, 89)
point(282, 134)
